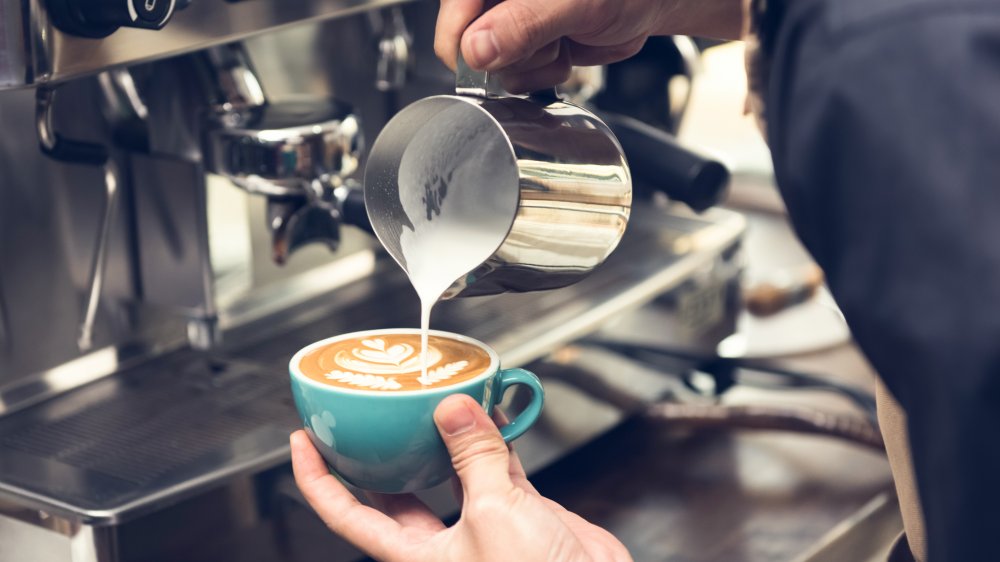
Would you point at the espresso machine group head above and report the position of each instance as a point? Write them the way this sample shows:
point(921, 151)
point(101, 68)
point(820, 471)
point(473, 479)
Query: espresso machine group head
point(298, 153)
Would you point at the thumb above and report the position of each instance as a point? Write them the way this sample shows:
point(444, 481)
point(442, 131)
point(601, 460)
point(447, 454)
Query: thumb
point(478, 452)
point(515, 29)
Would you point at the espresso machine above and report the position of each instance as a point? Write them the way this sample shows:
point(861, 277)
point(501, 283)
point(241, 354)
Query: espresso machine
point(181, 209)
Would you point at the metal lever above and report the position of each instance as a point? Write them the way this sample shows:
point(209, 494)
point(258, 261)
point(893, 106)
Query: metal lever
point(96, 282)
point(482, 84)
point(56, 147)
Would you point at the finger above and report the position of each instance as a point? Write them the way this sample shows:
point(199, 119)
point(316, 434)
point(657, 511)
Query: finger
point(541, 58)
point(515, 29)
point(591, 55)
point(454, 16)
point(514, 468)
point(366, 528)
point(581, 527)
point(478, 452)
point(407, 510)
point(538, 79)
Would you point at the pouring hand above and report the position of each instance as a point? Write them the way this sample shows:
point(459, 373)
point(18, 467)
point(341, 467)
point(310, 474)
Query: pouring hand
point(503, 516)
point(535, 43)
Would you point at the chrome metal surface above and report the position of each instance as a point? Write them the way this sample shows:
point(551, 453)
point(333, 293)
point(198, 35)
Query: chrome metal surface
point(280, 301)
point(43, 119)
point(29, 534)
point(690, 56)
point(97, 269)
point(39, 387)
point(395, 52)
point(273, 148)
point(282, 147)
point(186, 247)
point(122, 94)
point(234, 88)
point(32, 51)
point(204, 333)
point(469, 82)
point(289, 151)
point(166, 429)
point(867, 536)
point(50, 218)
point(541, 182)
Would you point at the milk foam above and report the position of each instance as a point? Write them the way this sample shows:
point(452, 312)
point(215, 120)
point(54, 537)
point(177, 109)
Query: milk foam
point(391, 362)
point(455, 228)
point(376, 357)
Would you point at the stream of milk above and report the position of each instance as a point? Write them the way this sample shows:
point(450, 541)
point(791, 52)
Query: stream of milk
point(458, 186)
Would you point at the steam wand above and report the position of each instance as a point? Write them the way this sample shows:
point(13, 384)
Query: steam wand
point(78, 152)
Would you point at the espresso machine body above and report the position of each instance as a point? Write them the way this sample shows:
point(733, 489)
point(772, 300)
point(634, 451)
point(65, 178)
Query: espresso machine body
point(171, 265)
point(146, 273)
point(179, 213)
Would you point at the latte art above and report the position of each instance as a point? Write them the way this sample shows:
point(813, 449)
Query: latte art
point(376, 357)
point(393, 362)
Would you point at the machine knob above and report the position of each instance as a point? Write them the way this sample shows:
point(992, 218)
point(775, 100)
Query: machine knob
point(100, 18)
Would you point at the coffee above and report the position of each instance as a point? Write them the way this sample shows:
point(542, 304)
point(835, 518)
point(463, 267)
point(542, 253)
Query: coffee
point(392, 362)
point(350, 392)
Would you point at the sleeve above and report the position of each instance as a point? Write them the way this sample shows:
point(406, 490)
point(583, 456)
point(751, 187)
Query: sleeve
point(885, 132)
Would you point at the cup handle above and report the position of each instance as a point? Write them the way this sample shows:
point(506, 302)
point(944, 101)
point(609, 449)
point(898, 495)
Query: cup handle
point(527, 418)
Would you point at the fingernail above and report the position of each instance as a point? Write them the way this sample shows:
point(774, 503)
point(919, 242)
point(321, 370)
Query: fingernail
point(458, 421)
point(484, 48)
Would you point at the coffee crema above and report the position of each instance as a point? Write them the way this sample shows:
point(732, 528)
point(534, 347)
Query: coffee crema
point(391, 362)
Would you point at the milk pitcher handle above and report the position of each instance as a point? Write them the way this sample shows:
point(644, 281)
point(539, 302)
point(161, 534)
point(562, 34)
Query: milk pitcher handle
point(476, 83)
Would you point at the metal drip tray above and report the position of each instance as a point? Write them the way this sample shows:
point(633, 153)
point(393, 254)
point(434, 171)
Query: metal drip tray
point(100, 450)
point(185, 422)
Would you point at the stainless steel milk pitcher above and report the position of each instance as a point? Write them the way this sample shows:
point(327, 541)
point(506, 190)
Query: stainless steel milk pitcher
point(543, 184)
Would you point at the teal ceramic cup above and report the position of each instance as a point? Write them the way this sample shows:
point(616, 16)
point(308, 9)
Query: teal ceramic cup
point(386, 441)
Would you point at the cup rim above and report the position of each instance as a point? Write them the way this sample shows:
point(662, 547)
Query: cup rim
point(295, 372)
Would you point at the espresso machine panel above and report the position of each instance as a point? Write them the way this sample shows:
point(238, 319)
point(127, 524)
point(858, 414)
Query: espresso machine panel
point(53, 40)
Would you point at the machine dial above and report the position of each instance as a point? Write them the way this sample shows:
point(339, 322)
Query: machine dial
point(100, 18)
